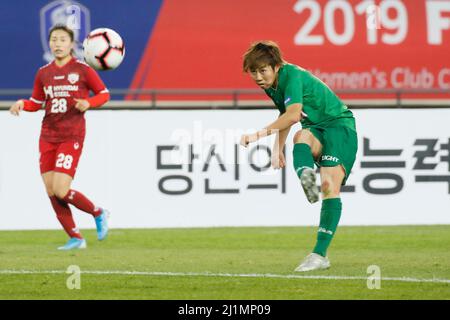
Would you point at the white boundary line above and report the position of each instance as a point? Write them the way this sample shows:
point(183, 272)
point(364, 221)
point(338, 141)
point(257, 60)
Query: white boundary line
point(225, 275)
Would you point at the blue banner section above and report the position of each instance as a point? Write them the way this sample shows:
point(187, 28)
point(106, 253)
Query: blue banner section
point(24, 33)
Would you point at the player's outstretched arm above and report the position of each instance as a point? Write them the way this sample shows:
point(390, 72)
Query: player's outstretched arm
point(286, 120)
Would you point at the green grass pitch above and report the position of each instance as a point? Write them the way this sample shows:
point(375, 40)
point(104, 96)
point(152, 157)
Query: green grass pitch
point(228, 263)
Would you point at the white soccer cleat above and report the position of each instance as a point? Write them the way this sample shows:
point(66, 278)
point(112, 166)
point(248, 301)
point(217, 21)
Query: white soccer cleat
point(313, 262)
point(308, 181)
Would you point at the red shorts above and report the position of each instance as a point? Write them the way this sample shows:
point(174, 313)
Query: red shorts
point(60, 157)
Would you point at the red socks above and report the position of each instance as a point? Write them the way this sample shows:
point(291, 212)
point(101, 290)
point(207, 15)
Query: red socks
point(81, 202)
point(64, 216)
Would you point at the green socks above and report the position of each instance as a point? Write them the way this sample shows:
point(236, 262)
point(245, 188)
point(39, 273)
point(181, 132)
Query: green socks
point(329, 219)
point(331, 208)
point(302, 158)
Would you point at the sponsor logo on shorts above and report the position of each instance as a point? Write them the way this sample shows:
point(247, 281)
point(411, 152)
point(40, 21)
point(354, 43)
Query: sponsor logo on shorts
point(330, 158)
point(323, 230)
point(76, 146)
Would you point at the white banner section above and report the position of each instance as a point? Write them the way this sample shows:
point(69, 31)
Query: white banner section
point(186, 169)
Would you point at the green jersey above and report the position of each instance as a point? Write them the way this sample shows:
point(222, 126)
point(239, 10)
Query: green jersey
point(321, 107)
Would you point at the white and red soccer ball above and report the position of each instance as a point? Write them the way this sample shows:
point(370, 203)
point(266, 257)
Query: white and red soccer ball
point(104, 49)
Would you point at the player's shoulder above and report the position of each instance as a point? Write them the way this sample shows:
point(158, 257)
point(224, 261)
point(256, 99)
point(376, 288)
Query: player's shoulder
point(44, 70)
point(294, 69)
point(83, 67)
point(291, 72)
point(45, 67)
point(82, 64)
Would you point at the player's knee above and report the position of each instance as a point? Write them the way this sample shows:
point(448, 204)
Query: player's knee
point(330, 189)
point(326, 188)
point(60, 192)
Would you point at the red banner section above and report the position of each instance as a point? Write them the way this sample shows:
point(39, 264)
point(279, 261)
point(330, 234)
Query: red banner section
point(354, 44)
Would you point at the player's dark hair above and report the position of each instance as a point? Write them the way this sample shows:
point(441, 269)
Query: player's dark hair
point(64, 28)
point(262, 53)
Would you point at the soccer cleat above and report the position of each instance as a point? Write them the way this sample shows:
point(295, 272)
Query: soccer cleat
point(308, 181)
point(101, 223)
point(74, 243)
point(313, 262)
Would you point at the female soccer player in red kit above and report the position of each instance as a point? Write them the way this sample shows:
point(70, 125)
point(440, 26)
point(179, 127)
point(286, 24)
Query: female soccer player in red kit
point(63, 87)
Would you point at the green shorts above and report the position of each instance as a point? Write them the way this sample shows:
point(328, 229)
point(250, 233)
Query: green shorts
point(339, 147)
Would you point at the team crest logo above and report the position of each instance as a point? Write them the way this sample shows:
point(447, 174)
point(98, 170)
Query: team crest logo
point(73, 78)
point(70, 13)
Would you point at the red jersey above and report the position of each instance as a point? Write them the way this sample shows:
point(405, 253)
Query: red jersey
point(57, 87)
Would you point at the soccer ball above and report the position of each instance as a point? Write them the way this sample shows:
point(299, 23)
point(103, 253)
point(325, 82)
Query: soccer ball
point(103, 49)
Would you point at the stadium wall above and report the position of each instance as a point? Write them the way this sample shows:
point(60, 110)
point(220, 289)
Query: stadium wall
point(137, 164)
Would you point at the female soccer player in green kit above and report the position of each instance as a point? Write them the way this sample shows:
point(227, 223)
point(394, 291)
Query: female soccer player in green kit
point(328, 136)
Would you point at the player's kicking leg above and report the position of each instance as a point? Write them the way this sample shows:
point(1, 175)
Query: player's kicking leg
point(330, 215)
